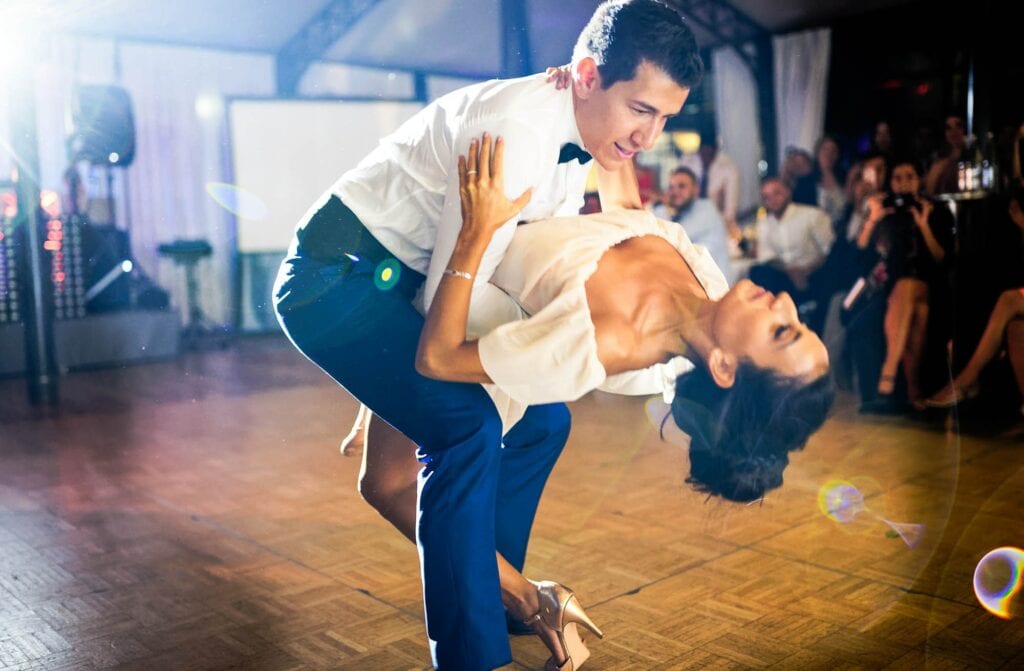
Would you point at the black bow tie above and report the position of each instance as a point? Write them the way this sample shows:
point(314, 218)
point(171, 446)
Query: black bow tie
point(570, 151)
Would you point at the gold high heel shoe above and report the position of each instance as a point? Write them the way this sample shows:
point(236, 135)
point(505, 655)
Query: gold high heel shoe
point(561, 611)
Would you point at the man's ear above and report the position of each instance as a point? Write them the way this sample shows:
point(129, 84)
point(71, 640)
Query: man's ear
point(585, 77)
point(722, 367)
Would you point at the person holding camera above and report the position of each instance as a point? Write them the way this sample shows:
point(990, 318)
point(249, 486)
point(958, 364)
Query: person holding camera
point(905, 242)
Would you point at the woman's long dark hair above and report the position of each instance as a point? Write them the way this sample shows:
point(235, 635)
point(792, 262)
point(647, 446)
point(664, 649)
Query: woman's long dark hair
point(741, 437)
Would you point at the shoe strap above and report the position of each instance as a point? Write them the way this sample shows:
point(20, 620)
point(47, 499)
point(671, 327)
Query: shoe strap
point(533, 618)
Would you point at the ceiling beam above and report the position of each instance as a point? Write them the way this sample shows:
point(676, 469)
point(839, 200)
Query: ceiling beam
point(727, 24)
point(314, 40)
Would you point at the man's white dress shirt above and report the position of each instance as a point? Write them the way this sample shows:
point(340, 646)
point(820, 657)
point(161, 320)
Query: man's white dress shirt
point(406, 192)
point(801, 238)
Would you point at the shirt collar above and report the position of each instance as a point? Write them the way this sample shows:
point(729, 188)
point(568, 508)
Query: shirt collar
point(570, 132)
point(785, 211)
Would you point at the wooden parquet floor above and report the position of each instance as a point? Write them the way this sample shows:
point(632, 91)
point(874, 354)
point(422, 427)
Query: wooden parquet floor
point(196, 514)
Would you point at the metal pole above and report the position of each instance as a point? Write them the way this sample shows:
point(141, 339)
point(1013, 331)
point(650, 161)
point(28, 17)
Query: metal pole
point(40, 358)
point(764, 77)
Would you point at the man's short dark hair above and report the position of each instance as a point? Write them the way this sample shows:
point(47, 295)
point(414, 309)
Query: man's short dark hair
point(774, 178)
point(683, 170)
point(623, 33)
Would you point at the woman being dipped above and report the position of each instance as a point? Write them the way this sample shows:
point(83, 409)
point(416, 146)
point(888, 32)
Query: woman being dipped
point(608, 294)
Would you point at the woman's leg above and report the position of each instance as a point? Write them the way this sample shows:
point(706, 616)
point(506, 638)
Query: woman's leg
point(1009, 306)
point(352, 444)
point(1015, 350)
point(915, 344)
point(898, 314)
point(387, 481)
point(1008, 310)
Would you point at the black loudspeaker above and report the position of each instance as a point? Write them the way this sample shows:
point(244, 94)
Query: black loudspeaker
point(104, 126)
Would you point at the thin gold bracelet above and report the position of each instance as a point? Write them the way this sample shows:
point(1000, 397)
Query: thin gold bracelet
point(458, 273)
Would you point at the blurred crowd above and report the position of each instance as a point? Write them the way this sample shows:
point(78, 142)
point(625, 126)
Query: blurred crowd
point(884, 251)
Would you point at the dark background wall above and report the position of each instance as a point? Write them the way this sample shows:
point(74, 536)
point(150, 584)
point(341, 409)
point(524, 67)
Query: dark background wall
point(910, 65)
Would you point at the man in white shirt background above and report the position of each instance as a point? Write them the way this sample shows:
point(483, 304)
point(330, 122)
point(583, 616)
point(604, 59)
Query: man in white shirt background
point(718, 177)
point(698, 217)
point(348, 293)
point(793, 241)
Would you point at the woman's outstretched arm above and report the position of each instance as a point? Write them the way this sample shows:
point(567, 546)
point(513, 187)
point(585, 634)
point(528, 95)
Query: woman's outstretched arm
point(444, 353)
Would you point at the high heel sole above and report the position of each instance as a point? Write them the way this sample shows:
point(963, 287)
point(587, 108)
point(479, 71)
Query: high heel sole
point(574, 646)
point(562, 612)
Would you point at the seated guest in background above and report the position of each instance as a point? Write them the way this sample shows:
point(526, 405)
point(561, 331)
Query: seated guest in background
point(842, 267)
point(857, 347)
point(718, 177)
point(1007, 319)
point(828, 178)
point(882, 140)
point(793, 241)
point(905, 240)
point(698, 217)
point(866, 178)
point(797, 167)
point(942, 174)
point(923, 144)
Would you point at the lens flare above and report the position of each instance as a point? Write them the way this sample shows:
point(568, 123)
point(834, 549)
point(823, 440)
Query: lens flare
point(841, 501)
point(997, 582)
point(387, 274)
point(659, 414)
point(238, 201)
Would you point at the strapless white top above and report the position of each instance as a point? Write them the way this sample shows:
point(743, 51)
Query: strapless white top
point(551, 356)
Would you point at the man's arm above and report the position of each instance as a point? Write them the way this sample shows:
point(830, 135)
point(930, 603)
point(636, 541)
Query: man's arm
point(822, 236)
point(822, 232)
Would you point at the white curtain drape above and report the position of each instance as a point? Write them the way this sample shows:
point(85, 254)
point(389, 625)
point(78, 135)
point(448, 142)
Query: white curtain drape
point(181, 138)
point(801, 80)
point(181, 147)
point(736, 120)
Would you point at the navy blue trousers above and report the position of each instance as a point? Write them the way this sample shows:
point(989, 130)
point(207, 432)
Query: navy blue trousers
point(476, 492)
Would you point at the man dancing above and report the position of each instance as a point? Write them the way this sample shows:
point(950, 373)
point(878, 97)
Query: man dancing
point(380, 239)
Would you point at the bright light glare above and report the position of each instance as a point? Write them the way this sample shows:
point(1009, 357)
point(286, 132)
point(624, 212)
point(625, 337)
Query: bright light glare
point(209, 106)
point(22, 22)
point(13, 47)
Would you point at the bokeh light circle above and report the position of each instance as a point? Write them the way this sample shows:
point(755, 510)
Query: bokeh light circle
point(387, 274)
point(840, 501)
point(997, 582)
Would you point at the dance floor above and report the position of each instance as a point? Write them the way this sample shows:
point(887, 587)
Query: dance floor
point(196, 514)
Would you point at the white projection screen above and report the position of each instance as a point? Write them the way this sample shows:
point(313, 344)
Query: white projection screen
point(286, 153)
